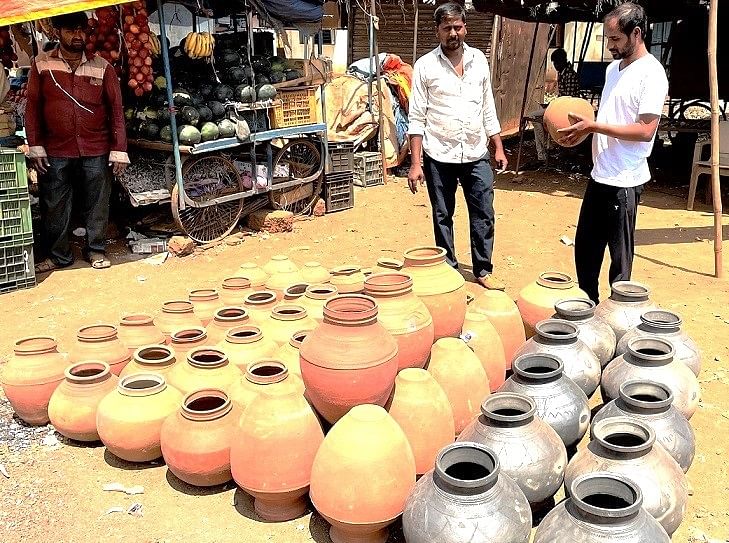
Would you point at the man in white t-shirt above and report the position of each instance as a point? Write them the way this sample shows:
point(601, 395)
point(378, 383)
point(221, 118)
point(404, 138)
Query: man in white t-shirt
point(630, 108)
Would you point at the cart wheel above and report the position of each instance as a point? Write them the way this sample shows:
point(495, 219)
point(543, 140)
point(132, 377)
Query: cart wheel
point(205, 179)
point(302, 160)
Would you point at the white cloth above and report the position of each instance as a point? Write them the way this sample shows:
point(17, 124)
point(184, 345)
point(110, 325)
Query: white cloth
point(638, 89)
point(455, 114)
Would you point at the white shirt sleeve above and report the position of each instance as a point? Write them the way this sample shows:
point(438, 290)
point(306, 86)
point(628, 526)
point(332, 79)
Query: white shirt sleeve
point(418, 102)
point(490, 118)
point(654, 92)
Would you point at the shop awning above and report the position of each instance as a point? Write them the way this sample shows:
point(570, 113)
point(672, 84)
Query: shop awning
point(19, 11)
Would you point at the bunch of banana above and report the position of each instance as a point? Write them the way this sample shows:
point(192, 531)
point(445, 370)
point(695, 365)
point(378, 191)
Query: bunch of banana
point(199, 45)
point(154, 44)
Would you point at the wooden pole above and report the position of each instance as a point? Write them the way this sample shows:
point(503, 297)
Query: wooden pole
point(524, 98)
point(415, 32)
point(378, 74)
point(715, 182)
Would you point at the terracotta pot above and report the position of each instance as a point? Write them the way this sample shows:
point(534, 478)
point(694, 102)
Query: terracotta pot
point(594, 332)
point(560, 402)
point(421, 408)
point(73, 406)
point(294, 292)
point(256, 275)
point(483, 339)
point(556, 117)
point(315, 274)
point(467, 498)
point(263, 374)
point(234, 290)
point(129, 419)
point(196, 440)
point(284, 321)
point(440, 287)
point(362, 474)
point(459, 371)
point(277, 422)
point(404, 315)
point(652, 358)
point(280, 264)
point(625, 446)
point(529, 450)
point(387, 265)
point(184, 340)
point(206, 302)
point(289, 354)
point(622, 311)
point(504, 315)
point(176, 314)
point(158, 359)
point(206, 367)
point(536, 300)
point(314, 299)
point(665, 324)
point(603, 508)
point(245, 345)
point(259, 305)
point(348, 279)
point(137, 330)
point(100, 342)
point(225, 319)
point(349, 359)
point(652, 403)
point(561, 338)
point(279, 282)
point(31, 375)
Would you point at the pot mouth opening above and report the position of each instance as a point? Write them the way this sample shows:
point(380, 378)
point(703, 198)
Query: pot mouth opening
point(188, 335)
point(413, 375)
point(298, 338)
point(390, 263)
point(508, 407)
point(424, 255)
point(35, 344)
point(206, 404)
point(177, 306)
point(312, 264)
point(244, 334)
point(87, 371)
point(231, 313)
point(207, 357)
point(555, 280)
point(236, 283)
point(288, 313)
point(606, 495)
point(203, 294)
point(646, 394)
point(136, 319)
point(388, 282)
point(297, 290)
point(279, 258)
point(557, 330)
point(624, 435)
point(540, 366)
point(267, 371)
point(467, 465)
point(575, 308)
point(97, 332)
point(347, 269)
point(630, 290)
point(141, 384)
point(350, 309)
point(261, 297)
point(651, 349)
point(154, 354)
point(662, 319)
point(321, 292)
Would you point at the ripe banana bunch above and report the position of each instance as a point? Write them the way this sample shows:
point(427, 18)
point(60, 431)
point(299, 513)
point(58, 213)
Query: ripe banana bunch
point(199, 45)
point(154, 44)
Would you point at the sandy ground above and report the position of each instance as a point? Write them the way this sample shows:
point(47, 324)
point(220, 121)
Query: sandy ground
point(55, 493)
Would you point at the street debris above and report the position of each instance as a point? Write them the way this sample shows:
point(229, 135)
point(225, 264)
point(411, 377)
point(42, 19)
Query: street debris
point(118, 487)
point(136, 510)
point(4, 471)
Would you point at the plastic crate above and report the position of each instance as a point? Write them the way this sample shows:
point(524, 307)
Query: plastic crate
point(13, 175)
point(341, 156)
point(294, 107)
point(12, 286)
point(15, 217)
point(17, 264)
point(338, 191)
point(368, 169)
point(257, 119)
point(16, 240)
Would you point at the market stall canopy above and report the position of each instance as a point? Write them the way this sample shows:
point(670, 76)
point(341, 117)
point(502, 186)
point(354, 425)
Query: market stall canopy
point(19, 11)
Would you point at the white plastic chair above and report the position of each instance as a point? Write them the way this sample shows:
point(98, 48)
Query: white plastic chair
point(704, 166)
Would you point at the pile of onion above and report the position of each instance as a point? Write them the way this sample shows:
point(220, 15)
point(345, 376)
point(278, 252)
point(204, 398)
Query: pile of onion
point(7, 54)
point(137, 40)
point(103, 37)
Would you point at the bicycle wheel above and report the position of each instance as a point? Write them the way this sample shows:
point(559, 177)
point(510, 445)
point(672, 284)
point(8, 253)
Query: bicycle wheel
point(205, 179)
point(299, 160)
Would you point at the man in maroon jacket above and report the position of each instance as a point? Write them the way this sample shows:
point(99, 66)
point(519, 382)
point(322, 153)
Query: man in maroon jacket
point(75, 130)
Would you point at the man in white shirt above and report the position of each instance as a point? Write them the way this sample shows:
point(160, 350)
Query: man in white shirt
point(630, 108)
point(452, 117)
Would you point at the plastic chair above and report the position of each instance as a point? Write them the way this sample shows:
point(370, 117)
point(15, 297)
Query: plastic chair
point(704, 166)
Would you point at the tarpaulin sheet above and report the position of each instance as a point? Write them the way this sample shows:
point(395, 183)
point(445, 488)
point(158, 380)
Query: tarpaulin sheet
point(19, 11)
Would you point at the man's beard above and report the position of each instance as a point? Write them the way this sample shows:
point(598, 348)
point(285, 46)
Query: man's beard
point(625, 53)
point(77, 47)
point(452, 45)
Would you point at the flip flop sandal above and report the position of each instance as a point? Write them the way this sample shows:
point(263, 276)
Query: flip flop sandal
point(99, 261)
point(46, 266)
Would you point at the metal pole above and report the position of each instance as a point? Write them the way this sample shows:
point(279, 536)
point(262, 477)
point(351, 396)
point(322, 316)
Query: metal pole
point(524, 97)
point(371, 34)
point(715, 180)
point(415, 32)
point(380, 114)
point(325, 143)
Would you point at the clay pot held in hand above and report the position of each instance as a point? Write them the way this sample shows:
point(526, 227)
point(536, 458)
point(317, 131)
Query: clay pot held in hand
point(348, 279)
point(205, 301)
point(159, 359)
point(195, 441)
point(286, 319)
point(467, 498)
point(234, 290)
point(557, 117)
point(594, 332)
point(185, 340)
point(226, 318)
point(256, 275)
point(622, 310)
point(289, 354)
point(137, 330)
point(259, 305)
point(176, 314)
point(314, 299)
point(100, 342)
point(273, 451)
point(129, 420)
point(421, 408)
point(31, 375)
point(205, 367)
point(536, 300)
point(504, 315)
point(483, 339)
point(315, 274)
point(362, 474)
point(349, 359)
point(246, 345)
point(261, 375)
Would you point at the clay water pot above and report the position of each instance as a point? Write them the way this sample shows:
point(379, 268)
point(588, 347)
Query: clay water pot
point(387, 265)
point(259, 305)
point(31, 375)
point(289, 354)
point(234, 290)
point(225, 319)
point(206, 301)
point(205, 367)
point(294, 292)
point(421, 408)
point(504, 315)
point(404, 315)
point(73, 406)
point(652, 403)
point(279, 282)
point(246, 345)
point(362, 474)
point(460, 373)
point(536, 300)
point(137, 330)
point(653, 359)
point(100, 342)
point(280, 264)
point(314, 299)
point(284, 321)
point(348, 279)
point(440, 287)
point(273, 451)
point(622, 310)
point(315, 274)
point(626, 446)
point(256, 275)
point(349, 359)
point(594, 332)
point(467, 497)
point(665, 324)
point(184, 340)
point(556, 117)
point(195, 441)
point(176, 314)
point(529, 450)
point(561, 338)
point(158, 359)
point(560, 402)
point(129, 419)
point(263, 374)
point(483, 339)
point(602, 508)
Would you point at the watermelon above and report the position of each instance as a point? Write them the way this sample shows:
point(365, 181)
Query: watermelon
point(245, 94)
point(165, 134)
point(148, 130)
point(223, 93)
point(226, 128)
point(163, 115)
point(278, 77)
point(182, 98)
point(266, 92)
point(209, 132)
point(159, 99)
point(189, 135)
point(292, 74)
point(205, 114)
point(217, 109)
point(249, 73)
point(237, 75)
point(228, 57)
point(190, 115)
point(197, 99)
point(206, 89)
point(262, 80)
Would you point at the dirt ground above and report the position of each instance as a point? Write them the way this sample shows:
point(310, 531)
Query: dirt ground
point(55, 493)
